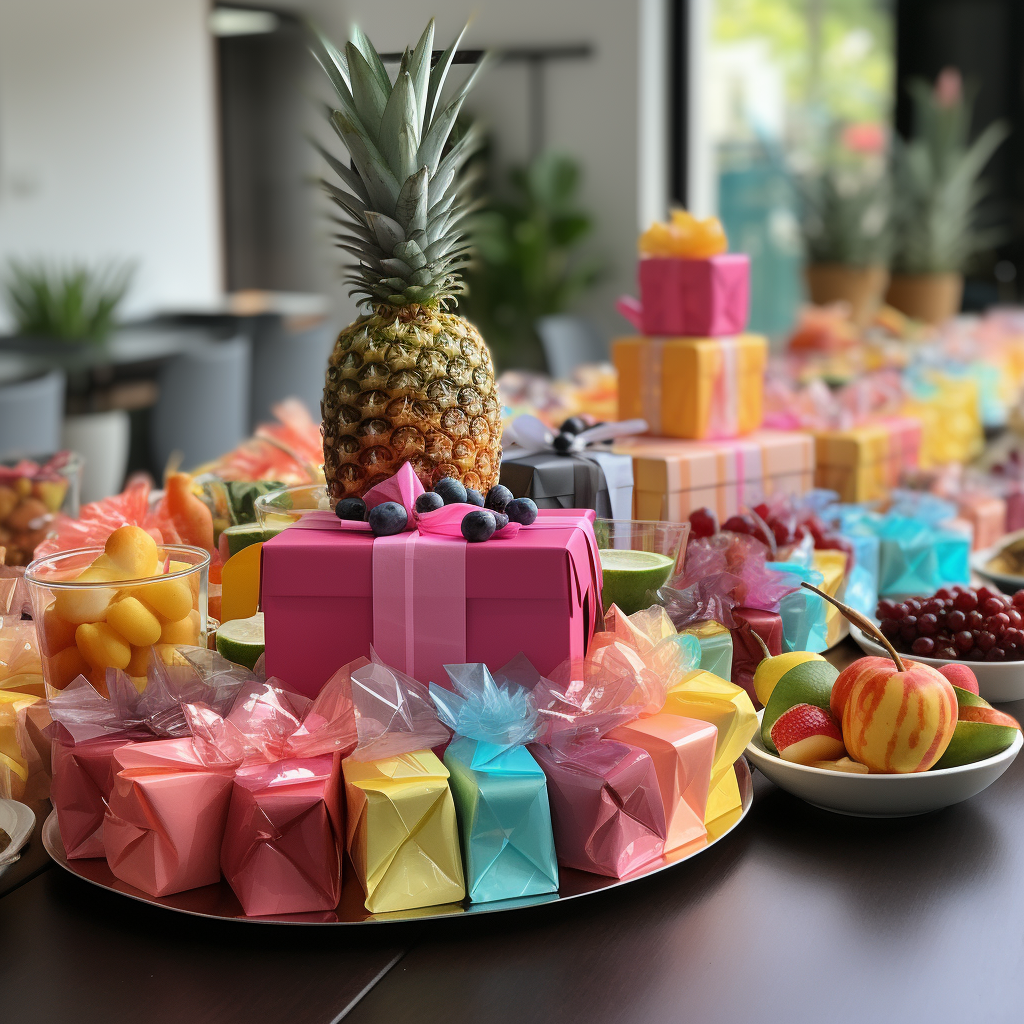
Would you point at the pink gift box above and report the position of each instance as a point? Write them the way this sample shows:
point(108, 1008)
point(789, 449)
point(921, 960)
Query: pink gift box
point(987, 515)
point(284, 839)
point(695, 298)
point(165, 817)
point(330, 590)
point(683, 750)
point(82, 778)
point(606, 807)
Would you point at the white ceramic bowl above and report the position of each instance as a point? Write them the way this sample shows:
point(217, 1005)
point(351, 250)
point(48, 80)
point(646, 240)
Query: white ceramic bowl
point(17, 820)
point(998, 681)
point(881, 796)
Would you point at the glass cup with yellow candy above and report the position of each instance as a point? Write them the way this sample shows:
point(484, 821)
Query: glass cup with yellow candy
point(117, 606)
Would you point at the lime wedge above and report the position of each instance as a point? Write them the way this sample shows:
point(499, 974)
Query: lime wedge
point(241, 536)
point(241, 640)
point(629, 575)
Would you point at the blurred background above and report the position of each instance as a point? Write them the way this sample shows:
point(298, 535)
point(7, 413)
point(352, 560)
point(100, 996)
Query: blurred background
point(166, 273)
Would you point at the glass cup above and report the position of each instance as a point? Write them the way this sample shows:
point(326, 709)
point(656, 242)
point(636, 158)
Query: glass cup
point(637, 558)
point(86, 627)
point(32, 493)
point(288, 505)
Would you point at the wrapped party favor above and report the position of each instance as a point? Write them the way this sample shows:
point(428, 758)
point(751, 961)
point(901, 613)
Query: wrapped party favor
point(165, 818)
point(401, 829)
point(284, 839)
point(584, 474)
point(715, 647)
point(425, 598)
point(89, 727)
point(804, 616)
point(500, 791)
point(606, 805)
point(747, 652)
point(692, 387)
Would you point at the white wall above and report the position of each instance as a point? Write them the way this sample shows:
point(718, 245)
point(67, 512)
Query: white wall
point(607, 111)
point(108, 141)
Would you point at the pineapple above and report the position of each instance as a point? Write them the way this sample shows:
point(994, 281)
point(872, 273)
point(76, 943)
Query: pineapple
point(411, 381)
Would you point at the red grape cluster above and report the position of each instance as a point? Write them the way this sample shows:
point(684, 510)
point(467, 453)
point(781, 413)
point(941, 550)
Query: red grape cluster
point(957, 622)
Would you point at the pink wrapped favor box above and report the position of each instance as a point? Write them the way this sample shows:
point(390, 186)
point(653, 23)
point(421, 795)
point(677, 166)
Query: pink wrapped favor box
point(283, 843)
point(695, 298)
point(329, 592)
point(607, 813)
point(165, 817)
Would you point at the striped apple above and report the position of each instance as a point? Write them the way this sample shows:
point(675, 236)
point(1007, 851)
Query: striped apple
point(861, 668)
point(898, 722)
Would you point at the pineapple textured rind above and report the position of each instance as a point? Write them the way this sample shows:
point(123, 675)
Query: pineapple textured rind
point(412, 385)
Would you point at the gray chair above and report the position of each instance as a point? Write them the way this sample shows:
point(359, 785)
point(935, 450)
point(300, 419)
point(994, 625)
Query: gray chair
point(31, 412)
point(570, 341)
point(288, 363)
point(203, 406)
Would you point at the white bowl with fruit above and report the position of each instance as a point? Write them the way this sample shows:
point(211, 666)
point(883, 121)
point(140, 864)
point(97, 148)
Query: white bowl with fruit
point(976, 627)
point(882, 738)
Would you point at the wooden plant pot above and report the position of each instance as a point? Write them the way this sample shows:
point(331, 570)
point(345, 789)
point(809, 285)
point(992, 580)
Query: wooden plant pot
point(933, 298)
point(860, 287)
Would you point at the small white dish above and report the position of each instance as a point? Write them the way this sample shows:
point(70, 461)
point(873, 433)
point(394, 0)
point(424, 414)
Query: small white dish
point(881, 796)
point(1004, 581)
point(17, 820)
point(998, 681)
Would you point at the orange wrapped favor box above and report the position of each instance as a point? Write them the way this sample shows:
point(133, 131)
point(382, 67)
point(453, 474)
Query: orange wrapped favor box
point(692, 388)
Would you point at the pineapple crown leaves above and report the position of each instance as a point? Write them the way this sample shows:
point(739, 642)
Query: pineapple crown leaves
point(405, 200)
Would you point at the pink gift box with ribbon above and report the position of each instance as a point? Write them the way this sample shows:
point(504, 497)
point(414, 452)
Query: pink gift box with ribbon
point(426, 597)
point(693, 298)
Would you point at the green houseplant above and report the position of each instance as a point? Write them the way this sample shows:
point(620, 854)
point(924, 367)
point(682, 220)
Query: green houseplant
point(937, 190)
point(527, 262)
point(72, 303)
point(847, 237)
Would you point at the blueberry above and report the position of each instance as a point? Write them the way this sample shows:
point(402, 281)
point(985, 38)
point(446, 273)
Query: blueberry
point(501, 519)
point(522, 510)
point(450, 489)
point(478, 525)
point(474, 497)
point(573, 425)
point(429, 501)
point(498, 497)
point(388, 518)
point(563, 443)
point(351, 508)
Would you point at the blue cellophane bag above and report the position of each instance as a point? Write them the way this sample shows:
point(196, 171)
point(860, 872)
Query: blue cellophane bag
point(804, 626)
point(501, 796)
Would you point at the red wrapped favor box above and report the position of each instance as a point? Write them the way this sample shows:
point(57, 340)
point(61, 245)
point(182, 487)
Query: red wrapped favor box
point(330, 591)
point(747, 653)
point(695, 298)
point(284, 839)
point(607, 813)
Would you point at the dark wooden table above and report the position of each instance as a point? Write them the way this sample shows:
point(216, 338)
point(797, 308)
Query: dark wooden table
point(798, 916)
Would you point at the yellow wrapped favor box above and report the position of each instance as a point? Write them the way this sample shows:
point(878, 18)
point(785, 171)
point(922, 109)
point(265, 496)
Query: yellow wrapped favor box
point(692, 387)
point(402, 835)
point(709, 698)
point(832, 565)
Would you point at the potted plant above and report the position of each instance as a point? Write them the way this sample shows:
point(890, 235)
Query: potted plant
point(937, 191)
point(847, 237)
point(62, 313)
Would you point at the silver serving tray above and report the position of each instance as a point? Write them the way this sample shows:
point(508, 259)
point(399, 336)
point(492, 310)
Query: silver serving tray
point(220, 902)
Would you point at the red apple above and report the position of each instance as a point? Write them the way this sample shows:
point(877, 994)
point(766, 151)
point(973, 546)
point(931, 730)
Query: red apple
point(862, 667)
point(961, 675)
point(806, 733)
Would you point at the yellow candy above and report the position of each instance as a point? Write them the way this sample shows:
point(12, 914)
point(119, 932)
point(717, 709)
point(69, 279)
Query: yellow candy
point(170, 599)
point(101, 646)
point(134, 621)
point(139, 663)
point(183, 631)
point(133, 551)
point(87, 605)
point(139, 682)
point(55, 632)
point(168, 655)
point(64, 666)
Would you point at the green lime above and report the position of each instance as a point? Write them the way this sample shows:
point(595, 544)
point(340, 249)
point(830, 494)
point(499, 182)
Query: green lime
point(244, 534)
point(629, 575)
point(241, 640)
